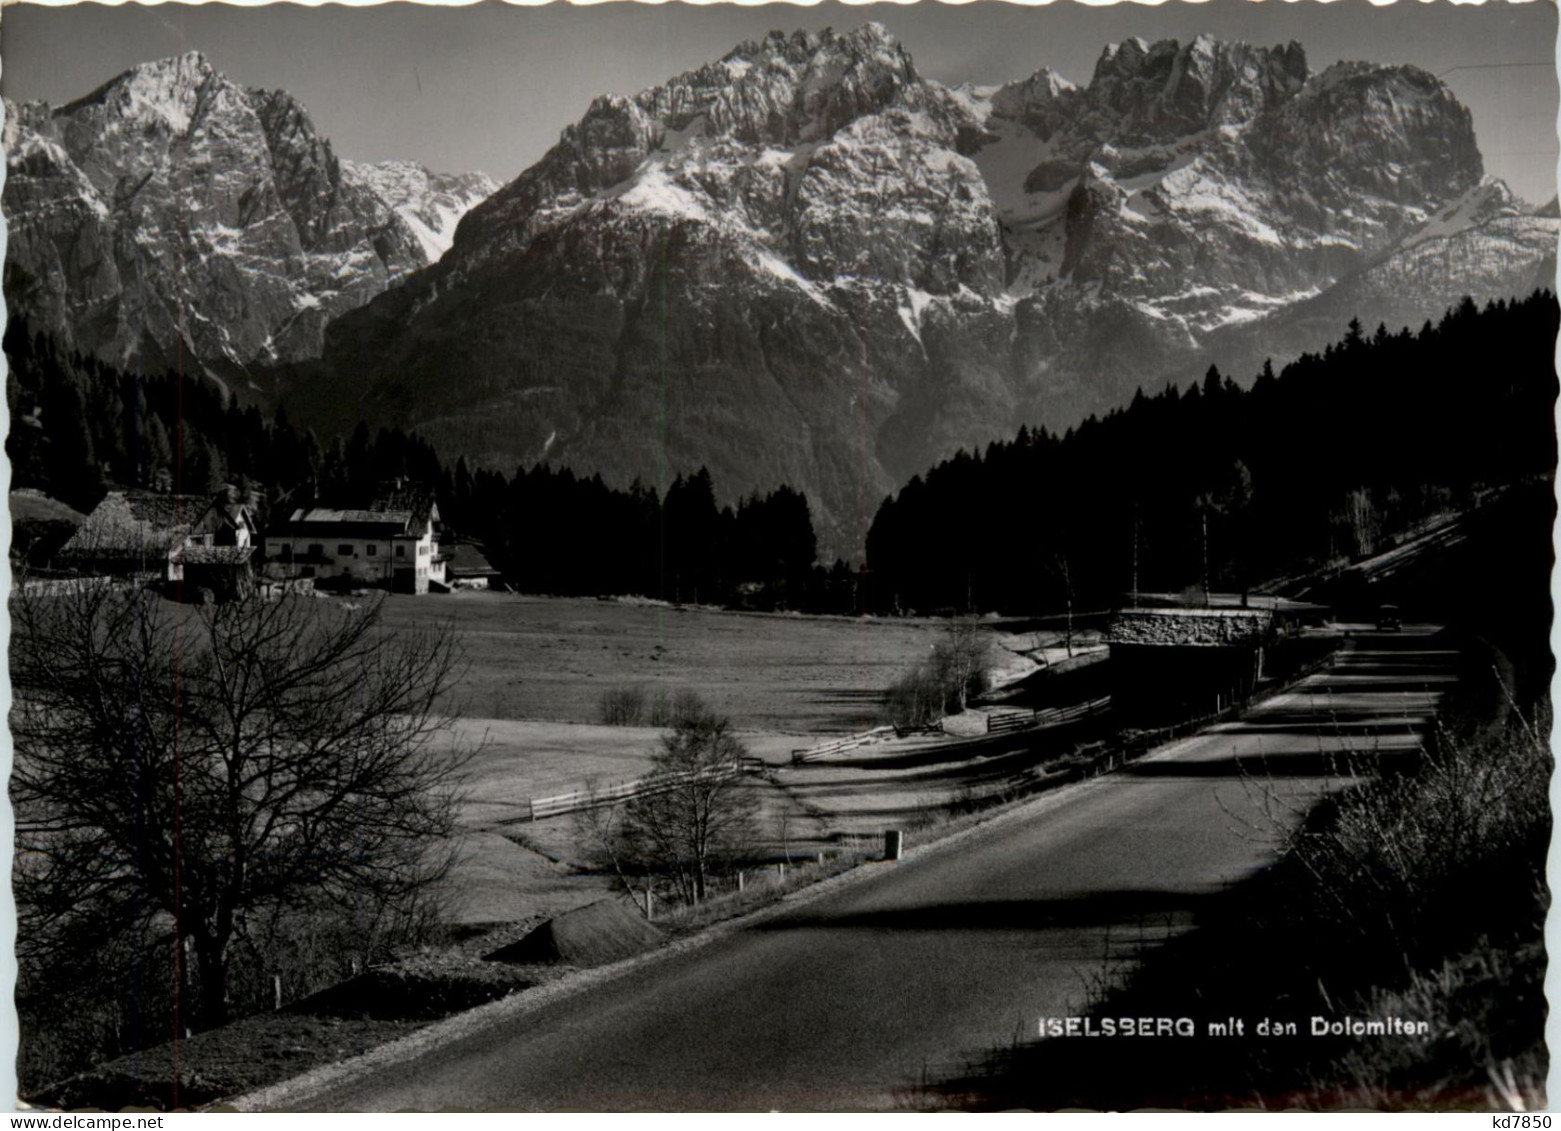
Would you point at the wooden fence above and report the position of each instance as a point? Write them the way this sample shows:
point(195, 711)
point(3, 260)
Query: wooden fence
point(997, 722)
point(840, 745)
point(1002, 722)
point(539, 808)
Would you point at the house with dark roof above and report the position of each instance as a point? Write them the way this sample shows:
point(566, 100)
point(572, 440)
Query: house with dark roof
point(392, 543)
point(197, 541)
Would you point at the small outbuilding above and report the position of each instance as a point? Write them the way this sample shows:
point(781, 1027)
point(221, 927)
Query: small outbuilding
point(467, 567)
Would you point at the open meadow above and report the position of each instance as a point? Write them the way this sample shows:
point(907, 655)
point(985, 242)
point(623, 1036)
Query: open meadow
point(531, 703)
point(552, 658)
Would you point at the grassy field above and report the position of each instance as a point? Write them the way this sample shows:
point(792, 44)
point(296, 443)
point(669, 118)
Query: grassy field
point(530, 701)
point(551, 658)
point(509, 867)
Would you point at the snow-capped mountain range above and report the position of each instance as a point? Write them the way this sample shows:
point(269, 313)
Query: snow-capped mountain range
point(806, 262)
point(171, 202)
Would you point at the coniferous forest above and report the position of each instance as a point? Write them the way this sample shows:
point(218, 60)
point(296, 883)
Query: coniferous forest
point(1327, 460)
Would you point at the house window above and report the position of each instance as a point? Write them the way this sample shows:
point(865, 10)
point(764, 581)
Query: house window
point(344, 549)
point(401, 551)
point(317, 548)
point(371, 549)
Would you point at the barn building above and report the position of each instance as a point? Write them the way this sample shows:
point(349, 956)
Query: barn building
point(197, 543)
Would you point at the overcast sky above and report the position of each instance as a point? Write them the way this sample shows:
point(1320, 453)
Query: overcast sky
point(489, 87)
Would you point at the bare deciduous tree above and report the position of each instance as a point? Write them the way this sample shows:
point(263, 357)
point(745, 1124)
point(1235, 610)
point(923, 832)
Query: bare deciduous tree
point(600, 839)
point(205, 767)
point(963, 659)
point(958, 667)
point(1061, 568)
point(698, 810)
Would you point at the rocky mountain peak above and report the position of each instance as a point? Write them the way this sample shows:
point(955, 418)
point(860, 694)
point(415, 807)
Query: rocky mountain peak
point(1037, 94)
point(1120, 60)
point(754, 141)
point(163, 92)
point(871, 41)
point(784, 89)
point(173, 203)
point(126, 131)
point(1411, 141)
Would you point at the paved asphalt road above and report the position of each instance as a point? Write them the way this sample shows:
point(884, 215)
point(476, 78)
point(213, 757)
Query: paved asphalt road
point(847, 999)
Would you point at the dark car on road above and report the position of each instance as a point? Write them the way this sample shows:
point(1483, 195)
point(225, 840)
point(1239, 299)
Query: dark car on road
point(1388, 619)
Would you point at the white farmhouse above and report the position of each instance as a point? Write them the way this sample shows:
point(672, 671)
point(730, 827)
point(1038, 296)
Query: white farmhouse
point(393, 543)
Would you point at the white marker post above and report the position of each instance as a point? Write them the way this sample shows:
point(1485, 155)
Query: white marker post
point(891, 844)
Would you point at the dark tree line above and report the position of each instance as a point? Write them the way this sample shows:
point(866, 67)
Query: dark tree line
point(557, 532)
point(81, 427)
point(1226, 486)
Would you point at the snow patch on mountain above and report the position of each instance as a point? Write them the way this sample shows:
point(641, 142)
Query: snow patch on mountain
point(654, 190)
point(1006, 162)
point(1488, 200)
point(164, 91)
point(1193, 193)
point(430, 203)
point(773, 266)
